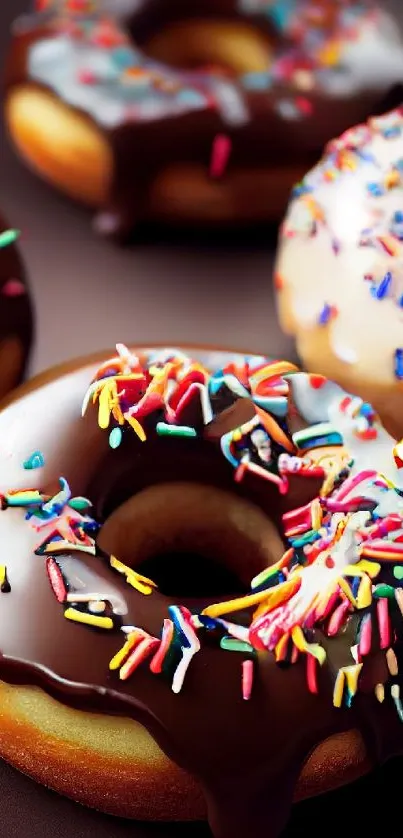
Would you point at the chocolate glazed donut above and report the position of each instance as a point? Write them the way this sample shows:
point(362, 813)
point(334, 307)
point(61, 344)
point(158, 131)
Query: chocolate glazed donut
point(16, 321)
point(201, 114)
point(172, 437)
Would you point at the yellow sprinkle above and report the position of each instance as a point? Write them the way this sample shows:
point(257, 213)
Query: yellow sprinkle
point(123, 653)
point(391, 660)
point(105, 406)
point(371, 568)
point(303, 646)
point(339, 688)
point(88, 619)
point(316, 514)
point(380, 693)
point(274, 371)
point(3, 573)
point(135, 424)
point(276, 595)
point(352, 676)
point(141, 583)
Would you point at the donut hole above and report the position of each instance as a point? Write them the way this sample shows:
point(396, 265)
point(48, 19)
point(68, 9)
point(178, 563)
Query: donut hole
point(233, 47)
point(180, 573)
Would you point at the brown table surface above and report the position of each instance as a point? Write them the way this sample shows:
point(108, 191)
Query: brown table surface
point(88, 295)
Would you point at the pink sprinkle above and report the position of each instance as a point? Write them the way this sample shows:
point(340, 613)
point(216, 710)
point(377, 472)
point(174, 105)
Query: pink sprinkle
point(13, 288)
point(304, 105)
point(247, 679)
point(87, 77)
point(220, 153)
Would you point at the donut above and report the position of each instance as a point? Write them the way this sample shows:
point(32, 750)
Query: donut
point(200, 616)
point(339, 271)
point(16, 318)
point(150, 110)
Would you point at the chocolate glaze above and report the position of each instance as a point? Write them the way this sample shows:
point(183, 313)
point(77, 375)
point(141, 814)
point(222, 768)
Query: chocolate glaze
point(276, 125)
point(246, 755)
point(16, 317)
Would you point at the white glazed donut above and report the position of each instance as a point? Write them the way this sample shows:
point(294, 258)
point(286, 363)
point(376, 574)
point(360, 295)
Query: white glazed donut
point(339, 271)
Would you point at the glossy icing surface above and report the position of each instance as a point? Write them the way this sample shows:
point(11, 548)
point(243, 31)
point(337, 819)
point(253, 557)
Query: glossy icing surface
point(340, 256)
point(245, 728)
point(327, 66)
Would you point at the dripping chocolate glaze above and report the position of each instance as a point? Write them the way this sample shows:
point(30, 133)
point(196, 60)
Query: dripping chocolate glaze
point(263, 136)
point(16, 318)
point(247, 755)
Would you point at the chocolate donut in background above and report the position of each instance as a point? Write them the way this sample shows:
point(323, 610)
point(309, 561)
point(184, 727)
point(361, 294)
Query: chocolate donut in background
point(16, 318)
point(275, 675)
point(197, 115)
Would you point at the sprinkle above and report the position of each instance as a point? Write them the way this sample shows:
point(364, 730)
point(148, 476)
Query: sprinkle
point(381, 291)
point(115, 437)
point(8, 237)
point(121, 656)
point(88, 619)
point(13, 288)
point(247, 679)
point(80, 504)
point(175, 430)
point(56, 579)
point(5, 586)
point(36, 460)
point(346, 684)
point(190, 644)
point(24, 498)
point(391, 660)
point(399, 363)
point(325, 315)
point(399, 599)
point(141, 583)
point(380, 693)
point(97, 606)
point(311, 670)
point(383, 623)
point(166, 640)
point(231, 644)
point(395, 693)
point(220, 154)
point(137, 656)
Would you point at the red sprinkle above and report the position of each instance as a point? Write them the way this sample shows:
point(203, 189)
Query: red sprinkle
point(247, 679)
point(166, 639)
point(139, 654)
point(317, 381)
point(220, 153)
point(311, 673)
point(278, 282)
point(56, 580)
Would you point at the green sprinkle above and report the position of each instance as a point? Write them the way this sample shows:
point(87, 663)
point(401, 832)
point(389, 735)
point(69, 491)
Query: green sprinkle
point(8, 237)
point(263, 577)
point(175, 430)
point(231, 644)
point(115, 437)
point(384, 591)
point(79, 504)
point(398, 572)
point(36, 460)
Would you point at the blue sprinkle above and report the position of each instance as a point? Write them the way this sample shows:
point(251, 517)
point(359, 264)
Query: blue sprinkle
point(115, 437)
point(257, 81)
point(398, 216)
point(36, 460)
point(366, 409)
point(301, 189)
point(125, 57)
point(325, 315)
point(400, 301)
point(375, 189)
point(187, 96)
point(399, 363)
point(390, 133)
point(380, 291)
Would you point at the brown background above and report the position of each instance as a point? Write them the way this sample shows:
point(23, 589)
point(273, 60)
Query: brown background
point(89, 294)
